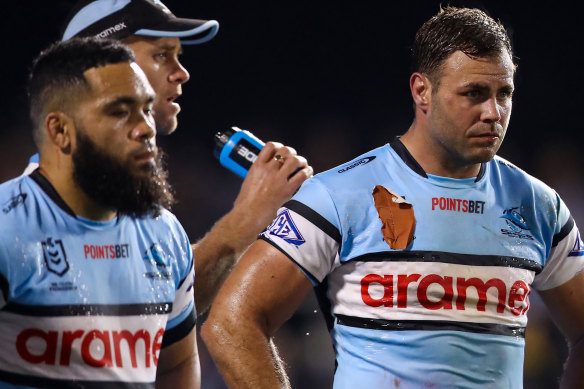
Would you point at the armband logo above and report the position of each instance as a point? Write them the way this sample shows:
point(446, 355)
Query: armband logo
point(55, 257)
point(285, 228)
point(578, 249)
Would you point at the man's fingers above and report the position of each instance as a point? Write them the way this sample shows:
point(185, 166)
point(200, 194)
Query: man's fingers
point(292, 164)
point(268, 151)
point(300, 176)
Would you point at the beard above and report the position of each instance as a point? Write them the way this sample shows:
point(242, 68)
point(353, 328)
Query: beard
point(110, 183)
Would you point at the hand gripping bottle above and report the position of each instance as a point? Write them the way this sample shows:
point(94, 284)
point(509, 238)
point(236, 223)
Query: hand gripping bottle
point(237, 149)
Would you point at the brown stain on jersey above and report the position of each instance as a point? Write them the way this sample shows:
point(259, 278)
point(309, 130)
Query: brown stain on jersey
point(397, 217)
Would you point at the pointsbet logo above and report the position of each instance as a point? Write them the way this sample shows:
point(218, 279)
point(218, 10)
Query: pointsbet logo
point(513, 297)
point(97, 348)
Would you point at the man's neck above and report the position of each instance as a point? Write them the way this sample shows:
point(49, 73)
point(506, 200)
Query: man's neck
point(433, 159)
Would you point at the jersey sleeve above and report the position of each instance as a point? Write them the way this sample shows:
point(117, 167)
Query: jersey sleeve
point(307, 231)
point(182, 317)
point(566, 257)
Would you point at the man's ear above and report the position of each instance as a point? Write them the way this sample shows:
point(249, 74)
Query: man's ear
point(421, 88)
point(60, 128)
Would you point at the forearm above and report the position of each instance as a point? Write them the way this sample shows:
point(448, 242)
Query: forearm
point(186, 375)
point(216, 254)
point(573, 376)
point(246, 357)
point(178, 364)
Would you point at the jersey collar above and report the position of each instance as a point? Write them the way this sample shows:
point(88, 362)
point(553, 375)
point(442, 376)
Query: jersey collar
point(401, 150)
point(50, 190)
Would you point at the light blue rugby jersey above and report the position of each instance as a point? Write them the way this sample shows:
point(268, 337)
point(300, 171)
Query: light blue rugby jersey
point(85, 303)
point(449, 311)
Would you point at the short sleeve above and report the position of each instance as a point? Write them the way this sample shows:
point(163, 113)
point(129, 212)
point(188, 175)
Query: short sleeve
point(182, 317)
point(566, 257)
point(307, 231)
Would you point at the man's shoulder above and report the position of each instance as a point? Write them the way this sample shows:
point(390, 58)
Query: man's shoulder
point(349, 183)
point(517, 177)
point(358, 170)
point(12, 194)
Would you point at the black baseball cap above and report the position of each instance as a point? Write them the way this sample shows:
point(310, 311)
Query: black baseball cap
point(118, 19)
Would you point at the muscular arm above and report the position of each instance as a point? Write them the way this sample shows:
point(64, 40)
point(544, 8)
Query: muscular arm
point(266, 187)
point(263, 291)
point(567, 310)
point(178, 364)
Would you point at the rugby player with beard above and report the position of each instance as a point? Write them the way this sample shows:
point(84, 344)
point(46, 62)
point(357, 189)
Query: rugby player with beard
point(96, 275)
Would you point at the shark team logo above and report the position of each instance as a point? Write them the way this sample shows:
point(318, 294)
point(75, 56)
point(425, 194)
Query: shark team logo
point(159, 263)
point(284, 227)
point(516, 223)
point(156, 255)
point(55, 257)
point(578, 249)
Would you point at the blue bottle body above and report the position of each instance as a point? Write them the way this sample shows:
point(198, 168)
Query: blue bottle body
point(237, 150)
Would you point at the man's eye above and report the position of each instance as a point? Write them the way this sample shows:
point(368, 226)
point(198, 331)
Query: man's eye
point(472, 93)
point(504, 95)
point(120, 113)
point(160, 56)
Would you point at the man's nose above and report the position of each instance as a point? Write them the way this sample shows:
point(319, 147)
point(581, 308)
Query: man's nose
point(491, 111)
point(144, 129)
point(180, 74)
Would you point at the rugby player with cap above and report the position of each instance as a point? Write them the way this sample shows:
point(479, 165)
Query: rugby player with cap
point(156, 36)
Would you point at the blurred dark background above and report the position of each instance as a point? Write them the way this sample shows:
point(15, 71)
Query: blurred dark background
point(330, 79)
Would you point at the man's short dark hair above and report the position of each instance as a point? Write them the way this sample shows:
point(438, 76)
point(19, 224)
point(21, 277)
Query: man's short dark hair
point(453, 29)
point(57, 73)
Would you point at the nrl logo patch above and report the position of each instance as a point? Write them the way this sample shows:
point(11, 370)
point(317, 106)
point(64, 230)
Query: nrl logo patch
point(55, 257)
point(283, 227)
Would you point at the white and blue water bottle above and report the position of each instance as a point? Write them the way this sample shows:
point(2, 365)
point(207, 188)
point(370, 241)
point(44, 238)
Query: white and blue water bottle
point(237, 149)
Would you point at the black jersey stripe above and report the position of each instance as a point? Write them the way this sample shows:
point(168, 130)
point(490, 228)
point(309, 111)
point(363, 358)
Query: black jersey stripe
point(308, 274)
point(454, 258)
point(430, 325)
point(175, 334)
point(4, 287)
point(566, 229)
point(315, 218)
point(89, 310)
point(42, 382)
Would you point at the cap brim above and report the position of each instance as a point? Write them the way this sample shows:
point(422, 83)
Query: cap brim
point(197, 31)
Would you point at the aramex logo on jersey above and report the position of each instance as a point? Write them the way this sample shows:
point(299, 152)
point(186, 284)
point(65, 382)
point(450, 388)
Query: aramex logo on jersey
point(96, 348)
point(513, 297)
